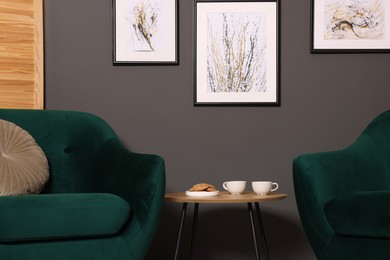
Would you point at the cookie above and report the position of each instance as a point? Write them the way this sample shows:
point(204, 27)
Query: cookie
point(203, 187)
point(211, 188)
point(200, 187)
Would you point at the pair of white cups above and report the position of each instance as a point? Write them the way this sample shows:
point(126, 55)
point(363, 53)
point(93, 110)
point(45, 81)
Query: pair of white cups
point(259, 187)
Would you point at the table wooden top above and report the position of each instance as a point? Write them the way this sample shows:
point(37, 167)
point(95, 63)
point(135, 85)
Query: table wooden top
point(224, 197)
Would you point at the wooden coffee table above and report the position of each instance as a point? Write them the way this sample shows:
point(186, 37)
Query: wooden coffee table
point(225, 198)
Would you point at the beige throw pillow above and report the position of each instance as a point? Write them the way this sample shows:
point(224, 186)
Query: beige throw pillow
point(23, 165)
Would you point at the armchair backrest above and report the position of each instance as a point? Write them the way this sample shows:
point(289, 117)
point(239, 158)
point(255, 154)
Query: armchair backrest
point(379, 132)
point(70, 140)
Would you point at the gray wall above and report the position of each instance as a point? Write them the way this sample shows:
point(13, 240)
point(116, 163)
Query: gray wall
point(327, 100)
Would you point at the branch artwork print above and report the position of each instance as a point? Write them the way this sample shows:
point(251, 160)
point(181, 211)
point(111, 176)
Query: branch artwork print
point(236, 52)
point(354, 19)
point(145, 18)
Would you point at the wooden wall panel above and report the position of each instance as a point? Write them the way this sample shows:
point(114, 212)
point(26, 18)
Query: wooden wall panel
point(21, 54)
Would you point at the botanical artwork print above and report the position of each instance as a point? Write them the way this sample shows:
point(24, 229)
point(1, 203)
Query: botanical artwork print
point(354, 19)
point(236, 52)
point(145, 20)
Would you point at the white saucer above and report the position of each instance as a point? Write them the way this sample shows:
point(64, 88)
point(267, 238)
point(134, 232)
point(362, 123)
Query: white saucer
point(202, 193)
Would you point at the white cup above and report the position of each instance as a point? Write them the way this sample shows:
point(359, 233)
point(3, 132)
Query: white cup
point(234, 187)
point(264, 187)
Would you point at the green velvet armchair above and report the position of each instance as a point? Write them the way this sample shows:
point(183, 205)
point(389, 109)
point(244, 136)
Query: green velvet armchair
point(101, 201)
point(343, 197)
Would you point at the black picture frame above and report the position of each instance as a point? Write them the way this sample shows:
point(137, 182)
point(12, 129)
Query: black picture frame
point(255, 26)
point(145, 32)
point(343, 27)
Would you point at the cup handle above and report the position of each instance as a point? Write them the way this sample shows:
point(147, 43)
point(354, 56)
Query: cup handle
point(275, 184)
point(224, 185)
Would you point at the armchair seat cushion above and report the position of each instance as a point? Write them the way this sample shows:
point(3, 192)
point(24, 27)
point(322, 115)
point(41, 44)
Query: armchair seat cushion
point(61, 216)
point(362, 214)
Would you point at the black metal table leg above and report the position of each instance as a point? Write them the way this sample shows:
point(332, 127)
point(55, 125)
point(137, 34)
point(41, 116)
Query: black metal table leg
point(253, 230)
point(253, 226)
point(194, 225)
point(183, 214)
point(262, 232)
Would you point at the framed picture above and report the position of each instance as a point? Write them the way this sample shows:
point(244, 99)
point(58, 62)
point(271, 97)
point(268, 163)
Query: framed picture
point(348, 26)
point(236, 53)
point(145, 31)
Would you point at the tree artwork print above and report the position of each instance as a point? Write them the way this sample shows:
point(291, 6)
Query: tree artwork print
point(354, 19)
point(145, 32)
point(236, 52)
point(145, 24)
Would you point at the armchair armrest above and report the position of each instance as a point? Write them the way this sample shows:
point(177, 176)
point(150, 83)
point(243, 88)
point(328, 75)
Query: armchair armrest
point(140, 180)
point(360, 214)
